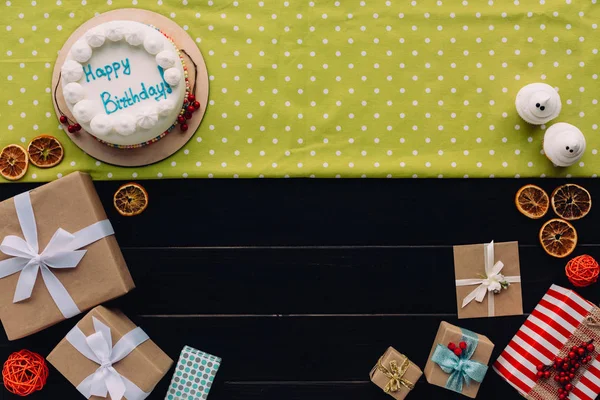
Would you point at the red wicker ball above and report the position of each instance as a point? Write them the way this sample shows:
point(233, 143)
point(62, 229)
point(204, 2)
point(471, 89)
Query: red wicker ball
point(24, 372)
point(582, 270)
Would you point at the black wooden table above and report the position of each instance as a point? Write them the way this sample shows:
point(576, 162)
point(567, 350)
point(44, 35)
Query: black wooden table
point(300, 285)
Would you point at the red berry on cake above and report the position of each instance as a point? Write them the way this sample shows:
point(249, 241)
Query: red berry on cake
point(77, 127)
point(196, 104)
point(71, 128)
point(181, 119)
point(191, 98)
point(188, 115)
point(184, 127)
point(63, 119)
point(191, 109)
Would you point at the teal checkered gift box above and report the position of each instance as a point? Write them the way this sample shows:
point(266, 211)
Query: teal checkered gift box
point(193, 376)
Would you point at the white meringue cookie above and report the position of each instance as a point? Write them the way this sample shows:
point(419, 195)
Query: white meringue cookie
point(166, 58)
point(81, 51)
point(564, 144)
point(173, 76)
point(115, 31)
point(164, 107)
point(101, 125)
point(71, 71)
point(135, 37)
point(73, 92)
point(538, 103)
point(153, 44)
point(147, 118)
point(95, 37)
point(84, 111)
point(125, 125)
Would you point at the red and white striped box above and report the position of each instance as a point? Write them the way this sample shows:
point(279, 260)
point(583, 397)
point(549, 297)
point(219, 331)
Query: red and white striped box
point(560, 316)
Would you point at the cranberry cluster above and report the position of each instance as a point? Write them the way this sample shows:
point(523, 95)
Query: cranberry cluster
point(72, 128)
point(190, 107)
point(567, 367)
point(458, 350)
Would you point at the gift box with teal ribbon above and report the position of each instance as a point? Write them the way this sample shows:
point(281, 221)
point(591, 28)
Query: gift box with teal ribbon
point(458, 360)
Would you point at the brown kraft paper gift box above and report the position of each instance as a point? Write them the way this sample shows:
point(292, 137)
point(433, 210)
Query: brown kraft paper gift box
point(448, 333)
point(145, 366)
point(469, 263)
point(412, 374)
point(70, 203)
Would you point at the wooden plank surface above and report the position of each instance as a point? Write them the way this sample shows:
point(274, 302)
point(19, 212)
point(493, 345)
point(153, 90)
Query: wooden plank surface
point(300, 285)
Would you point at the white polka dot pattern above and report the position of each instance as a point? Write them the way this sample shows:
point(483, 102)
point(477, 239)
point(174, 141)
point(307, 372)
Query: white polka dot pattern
point(373, 88)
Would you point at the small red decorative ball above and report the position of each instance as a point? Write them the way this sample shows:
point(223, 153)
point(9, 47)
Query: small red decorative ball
point(561, 396)
point(184, 127)
point(540, 367)
point(24, 372)
point(196, 104)
point(572, 355)
point(191, 98)
point(463, 345)
point(77, 127)
point(558, 360)
point(458, 351)
point(556, 378)
point(540, 374)
point(590, 347)
point(547, 374)
point(71, 128)
point(451, 346)
point(63, 119)
point(565, 366)
point(191, 109)
point(181, 119)
point(582, 270)
point(188, 115)
point(568, 387)
point(580, 351)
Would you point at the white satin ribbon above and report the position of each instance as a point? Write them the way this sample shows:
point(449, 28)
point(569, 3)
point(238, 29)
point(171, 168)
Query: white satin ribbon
point(98, 348)
point(61, 252)
point(488, 284)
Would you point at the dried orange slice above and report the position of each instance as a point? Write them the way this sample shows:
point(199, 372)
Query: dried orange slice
point(571, 201)
point(45, 151)
point(558, 238)
point(13, 162)
point(532, 201)
point(131, 199)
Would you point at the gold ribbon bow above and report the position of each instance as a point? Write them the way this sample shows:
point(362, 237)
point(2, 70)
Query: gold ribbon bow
point(395, 375)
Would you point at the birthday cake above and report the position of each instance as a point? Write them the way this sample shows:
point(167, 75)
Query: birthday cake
point(125, 84)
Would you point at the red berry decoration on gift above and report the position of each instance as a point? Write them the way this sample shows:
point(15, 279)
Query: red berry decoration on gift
point(457, 349)
point(566, 368)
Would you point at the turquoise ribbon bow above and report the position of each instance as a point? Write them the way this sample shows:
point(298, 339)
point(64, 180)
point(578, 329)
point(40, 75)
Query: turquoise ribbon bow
point(460, 368)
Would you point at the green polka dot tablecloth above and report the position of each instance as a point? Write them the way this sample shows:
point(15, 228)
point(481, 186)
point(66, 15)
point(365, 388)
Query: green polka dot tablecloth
point(194, 374)
point(346, 88)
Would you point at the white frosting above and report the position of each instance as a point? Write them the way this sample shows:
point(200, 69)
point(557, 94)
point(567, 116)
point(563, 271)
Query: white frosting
point(81, 51)
point(147, 118)
point(135, 36)
point(115, 31)
point(121, 111)
point(153, 43)
point(73, 92)
point(84, 111)
point(564, 144)
point(173, 76)
point(71, 71)
point(125, 125)
point(538, 103)
point(95, 37)
point(164, 108)
point(101, 125)
point(166, 58)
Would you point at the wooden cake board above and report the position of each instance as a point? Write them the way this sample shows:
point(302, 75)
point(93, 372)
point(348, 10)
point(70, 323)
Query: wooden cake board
point(172, 142)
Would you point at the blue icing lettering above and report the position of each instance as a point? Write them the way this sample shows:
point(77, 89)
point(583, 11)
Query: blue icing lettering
point(109, 105)
point(161, 71)
point(126, 66)
point(107, 70)
point(88, 73)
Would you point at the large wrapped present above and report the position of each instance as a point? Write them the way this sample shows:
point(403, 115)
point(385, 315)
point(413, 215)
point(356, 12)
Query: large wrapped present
point(395, 374)
point(488, 280)
point(556, 342)
point(458, 359)
point(105, 354)
point(194, 375)
point(58, 231)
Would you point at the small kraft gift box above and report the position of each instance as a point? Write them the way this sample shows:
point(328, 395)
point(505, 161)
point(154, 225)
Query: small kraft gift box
point(58, 257)
point(488, 280)
point(105, 356)
point(395, 374)
point(458, 360)
point(554, 355)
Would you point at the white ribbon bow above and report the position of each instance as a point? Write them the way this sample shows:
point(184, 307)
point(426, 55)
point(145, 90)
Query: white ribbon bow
point(490, 284)
point(98, 348)
point(61, 252)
